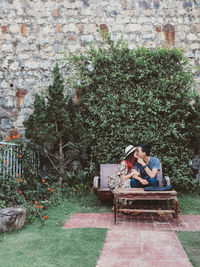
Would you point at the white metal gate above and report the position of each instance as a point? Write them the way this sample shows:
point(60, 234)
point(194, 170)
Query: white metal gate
point(10, 162)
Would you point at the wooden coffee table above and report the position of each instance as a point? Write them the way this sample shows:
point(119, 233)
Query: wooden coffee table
point(140, 194)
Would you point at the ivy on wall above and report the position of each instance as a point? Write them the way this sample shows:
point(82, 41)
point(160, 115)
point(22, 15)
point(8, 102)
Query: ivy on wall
point(130, 96)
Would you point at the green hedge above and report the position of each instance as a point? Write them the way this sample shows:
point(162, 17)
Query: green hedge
point(131, 96)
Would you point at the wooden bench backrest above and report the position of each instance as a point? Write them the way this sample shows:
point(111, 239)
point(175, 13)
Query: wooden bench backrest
point(108, 169)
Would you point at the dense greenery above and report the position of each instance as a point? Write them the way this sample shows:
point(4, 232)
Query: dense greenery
point(56, 128)
point(28, 187)
point(130, 96)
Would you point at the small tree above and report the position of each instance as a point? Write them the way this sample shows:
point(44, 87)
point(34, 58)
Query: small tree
point(56, 126)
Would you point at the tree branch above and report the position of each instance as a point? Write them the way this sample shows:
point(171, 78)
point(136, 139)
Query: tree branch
point(52, 161)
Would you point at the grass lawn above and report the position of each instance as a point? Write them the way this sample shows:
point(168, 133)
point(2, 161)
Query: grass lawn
point(51, 245)
point(190, 240)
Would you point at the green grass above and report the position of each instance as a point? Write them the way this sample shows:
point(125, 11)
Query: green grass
point(191, 244)
point(189, 204)
point(190, 240)
point(51, 245)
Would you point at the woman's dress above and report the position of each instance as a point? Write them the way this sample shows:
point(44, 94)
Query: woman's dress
point(114, 180)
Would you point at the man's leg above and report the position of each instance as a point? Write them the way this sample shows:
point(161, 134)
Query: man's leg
point(135, 183)
point(152, 182)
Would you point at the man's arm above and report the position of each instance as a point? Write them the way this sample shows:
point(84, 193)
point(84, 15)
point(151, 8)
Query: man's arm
point(151, 173)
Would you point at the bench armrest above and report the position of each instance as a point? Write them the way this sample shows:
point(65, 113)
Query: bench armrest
point(96, 182)
point(167, 180)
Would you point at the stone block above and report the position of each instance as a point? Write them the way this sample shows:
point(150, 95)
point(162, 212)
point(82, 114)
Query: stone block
point(5, 123)
point(144, 20)
point(4, 114)
point(46, 30)
point(70, 28)
point(148, 13)
point(46, 64)
point(12, 219)
point(192, 37)
point(86, 39)
point(4, 85)
point(14, 66)
point(6, 47)
point(195, 46)
point(14, 29)
point(31, 64)
point(187, 4)
point(197, 55)
point(189, 54)
point(15, 113)
point(72, 37)
point(134, 27)
point(90, 28)
point(197, 27)
point(117, 27)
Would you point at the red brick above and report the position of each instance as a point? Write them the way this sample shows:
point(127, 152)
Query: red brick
point(56, 13)
point(4, 29)
point(80, 27)
point(58, 28)
point(23, 29)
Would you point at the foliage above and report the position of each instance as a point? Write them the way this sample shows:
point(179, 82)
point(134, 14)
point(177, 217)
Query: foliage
point(56, 127)
point(27, 188)
point(130, 96)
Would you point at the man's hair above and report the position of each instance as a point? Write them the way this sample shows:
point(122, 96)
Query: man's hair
point(146, 148)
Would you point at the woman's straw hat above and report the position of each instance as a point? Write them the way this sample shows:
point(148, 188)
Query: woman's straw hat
point(129, 149)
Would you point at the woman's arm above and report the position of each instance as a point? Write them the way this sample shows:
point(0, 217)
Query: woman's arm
point(129, 176)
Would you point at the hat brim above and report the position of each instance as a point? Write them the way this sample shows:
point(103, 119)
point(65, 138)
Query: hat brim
point(130, 151)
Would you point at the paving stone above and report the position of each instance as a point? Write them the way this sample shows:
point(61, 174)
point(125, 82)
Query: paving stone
point(140, 241)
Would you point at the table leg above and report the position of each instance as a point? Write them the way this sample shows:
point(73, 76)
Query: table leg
point(115, 209)
point(176, 210)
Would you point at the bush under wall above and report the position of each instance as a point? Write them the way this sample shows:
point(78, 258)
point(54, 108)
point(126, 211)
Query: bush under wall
point(130, 96)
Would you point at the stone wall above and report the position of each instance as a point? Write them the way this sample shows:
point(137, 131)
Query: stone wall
point(33, 33)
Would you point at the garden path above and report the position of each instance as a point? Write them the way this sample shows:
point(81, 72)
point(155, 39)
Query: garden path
point(142, 240)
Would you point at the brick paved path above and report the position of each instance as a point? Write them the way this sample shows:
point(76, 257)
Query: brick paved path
point(141, 241)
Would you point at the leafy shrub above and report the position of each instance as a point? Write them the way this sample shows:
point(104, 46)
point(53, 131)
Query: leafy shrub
point(56, 128)
point(28, 188)
point(130, 96)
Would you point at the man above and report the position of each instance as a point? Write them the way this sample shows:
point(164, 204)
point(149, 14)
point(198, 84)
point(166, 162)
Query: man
point(147, 166)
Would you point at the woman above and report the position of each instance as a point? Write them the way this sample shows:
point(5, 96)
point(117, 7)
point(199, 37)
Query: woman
point(124, 172)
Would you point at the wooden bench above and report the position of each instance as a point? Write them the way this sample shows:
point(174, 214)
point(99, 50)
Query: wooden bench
point(100, 184)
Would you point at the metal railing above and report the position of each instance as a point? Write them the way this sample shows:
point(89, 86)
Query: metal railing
point(10, 162)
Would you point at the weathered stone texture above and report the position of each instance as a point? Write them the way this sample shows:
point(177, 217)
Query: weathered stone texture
point(34, 33)
point(12, 219)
